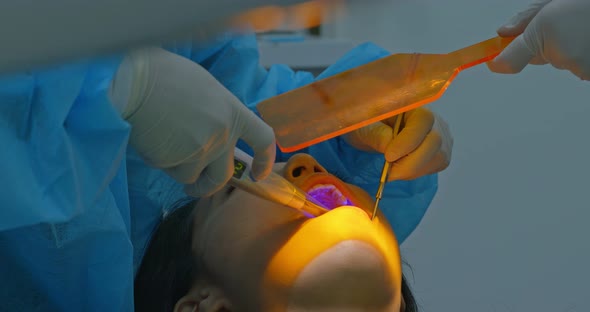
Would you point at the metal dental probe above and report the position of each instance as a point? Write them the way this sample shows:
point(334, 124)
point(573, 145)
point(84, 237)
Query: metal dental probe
point(386, 167)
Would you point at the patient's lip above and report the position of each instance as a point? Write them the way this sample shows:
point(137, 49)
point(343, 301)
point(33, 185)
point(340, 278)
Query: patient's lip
point(361, 212)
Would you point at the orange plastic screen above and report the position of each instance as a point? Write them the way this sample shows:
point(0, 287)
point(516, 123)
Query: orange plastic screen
point(367, 94)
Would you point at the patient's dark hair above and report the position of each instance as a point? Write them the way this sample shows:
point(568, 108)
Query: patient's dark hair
point(169, 267)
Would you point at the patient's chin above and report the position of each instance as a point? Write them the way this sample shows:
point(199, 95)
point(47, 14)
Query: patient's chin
point(350, 276)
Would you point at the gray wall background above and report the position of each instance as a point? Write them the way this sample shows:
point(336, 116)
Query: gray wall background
point(508, 230)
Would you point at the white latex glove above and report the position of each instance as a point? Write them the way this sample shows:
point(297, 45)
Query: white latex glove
point(549, 31)
point(423, 146)
point(185, 122)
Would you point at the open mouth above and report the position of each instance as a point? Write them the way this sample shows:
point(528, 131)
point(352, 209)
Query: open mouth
point(329, 196)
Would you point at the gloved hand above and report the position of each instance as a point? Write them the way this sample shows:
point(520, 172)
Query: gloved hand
point(423, 145)
point(549, 31)
point(185, 122)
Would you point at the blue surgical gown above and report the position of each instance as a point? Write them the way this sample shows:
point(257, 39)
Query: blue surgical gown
point(79, 205)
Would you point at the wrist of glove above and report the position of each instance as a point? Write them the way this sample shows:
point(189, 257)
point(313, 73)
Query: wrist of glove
point(185, 122)
point(549, 32)
point(423, 146)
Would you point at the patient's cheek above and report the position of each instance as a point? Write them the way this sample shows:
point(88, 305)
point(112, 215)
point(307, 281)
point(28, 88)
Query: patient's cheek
point(349, 274)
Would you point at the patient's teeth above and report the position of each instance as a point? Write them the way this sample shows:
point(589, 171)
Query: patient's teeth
point(328, 195)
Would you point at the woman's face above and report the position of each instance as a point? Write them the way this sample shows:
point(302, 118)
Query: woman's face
point(268, 257)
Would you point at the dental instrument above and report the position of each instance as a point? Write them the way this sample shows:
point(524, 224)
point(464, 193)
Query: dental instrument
point(367, 94)
point(274, 188)
point(386, 167)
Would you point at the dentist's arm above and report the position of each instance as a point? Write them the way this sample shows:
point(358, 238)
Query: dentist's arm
point(36, 33)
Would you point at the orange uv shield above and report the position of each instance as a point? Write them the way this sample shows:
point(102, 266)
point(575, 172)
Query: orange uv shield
point(369, 93)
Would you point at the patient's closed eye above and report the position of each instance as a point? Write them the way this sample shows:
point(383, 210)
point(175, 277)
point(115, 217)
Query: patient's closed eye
point(224, 194)
point(230, 190)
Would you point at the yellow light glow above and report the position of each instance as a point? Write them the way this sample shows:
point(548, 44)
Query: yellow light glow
point(300, 16)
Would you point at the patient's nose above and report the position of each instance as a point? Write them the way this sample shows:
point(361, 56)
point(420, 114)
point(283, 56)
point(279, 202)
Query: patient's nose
point(301, 166)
